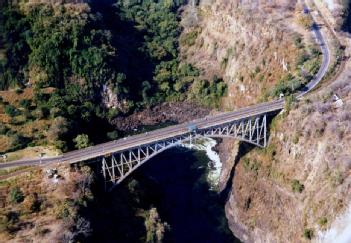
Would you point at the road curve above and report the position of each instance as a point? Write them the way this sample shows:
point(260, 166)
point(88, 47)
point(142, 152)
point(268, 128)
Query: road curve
point(177, 130)
point(320, 40)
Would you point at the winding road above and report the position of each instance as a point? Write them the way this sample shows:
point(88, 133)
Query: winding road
point(162, 134)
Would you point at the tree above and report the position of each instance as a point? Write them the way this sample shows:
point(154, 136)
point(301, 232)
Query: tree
point(155, 229)
point(81, 141)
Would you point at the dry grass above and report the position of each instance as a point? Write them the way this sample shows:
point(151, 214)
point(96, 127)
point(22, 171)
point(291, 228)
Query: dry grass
point(43, 225)
point(242, 45)
point(32, 152)
point(32, 129)
point(5, 143)
point(13, 98)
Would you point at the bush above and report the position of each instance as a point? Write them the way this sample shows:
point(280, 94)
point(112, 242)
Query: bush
point(3, 129)
point(65, 210)
point(41, 112)
point(25, 103)
point(297, 186)
point(19, 91)
point(112, 135)
point(11, 110)
point(155, 229)
point(189, 39)
point(81, 141)
point(32, 203)
point(249, 165)
point(16, 195)
point(295, 139)
point(18, 142)
point(308, 233)
point(322, 221)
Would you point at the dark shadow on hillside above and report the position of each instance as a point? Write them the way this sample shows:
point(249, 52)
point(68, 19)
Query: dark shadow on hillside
point(244, 148)
point(128, 41)
point(346, 26)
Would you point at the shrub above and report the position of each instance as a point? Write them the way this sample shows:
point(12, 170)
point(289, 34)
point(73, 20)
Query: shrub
point(41, 112)
point(322, 221)
point(297, 186)
point(308, 233)
point(249, 165)
point(112, 135)
point(32, 203)
point(19, 91)
point(16, 195)
point(295, 139)
point(65, 210)
point(11, 110)
point(155, 229)
point(12, 217)
point(81, 141)
point(25, 103)
point(189, 39)
point(18, 142)
point(3, 129)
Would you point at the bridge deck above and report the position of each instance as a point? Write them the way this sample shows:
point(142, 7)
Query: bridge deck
point(154, 136)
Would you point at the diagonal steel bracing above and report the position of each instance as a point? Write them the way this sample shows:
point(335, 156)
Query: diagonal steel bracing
point(116, 167)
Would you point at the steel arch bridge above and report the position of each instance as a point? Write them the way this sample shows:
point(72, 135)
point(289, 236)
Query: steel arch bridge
point(119, 165)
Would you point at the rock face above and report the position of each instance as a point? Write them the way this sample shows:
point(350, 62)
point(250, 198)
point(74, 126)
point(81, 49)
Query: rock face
point(248, 43)
point(177, 112)
point(295, 188)
point(301, 181)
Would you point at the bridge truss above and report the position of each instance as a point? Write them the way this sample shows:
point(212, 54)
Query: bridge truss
point(118, 166)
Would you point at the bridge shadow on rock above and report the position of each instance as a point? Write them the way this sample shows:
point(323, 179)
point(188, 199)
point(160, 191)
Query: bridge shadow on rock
point(244, 148)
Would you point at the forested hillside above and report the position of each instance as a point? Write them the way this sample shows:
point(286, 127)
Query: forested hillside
point(82, 64)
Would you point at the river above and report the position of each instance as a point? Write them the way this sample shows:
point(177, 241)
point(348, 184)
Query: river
point(181, 184)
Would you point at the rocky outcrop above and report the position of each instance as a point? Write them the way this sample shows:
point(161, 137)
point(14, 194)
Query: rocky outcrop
point(176, 112)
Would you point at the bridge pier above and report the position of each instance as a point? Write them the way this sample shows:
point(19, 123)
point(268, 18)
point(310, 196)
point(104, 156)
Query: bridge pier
point(118, 166)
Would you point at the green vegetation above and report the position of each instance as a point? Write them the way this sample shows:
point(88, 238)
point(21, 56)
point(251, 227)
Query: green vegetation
point(16, 195)
point(82, 141)
point(251, 165)
point(322, 221)
point(155, 229)
point(286, 85)
point(11, 110)
point(308, 62)
point(131, 48)
point(308, 233)
point(295, 138)
point(297, 186)
point(188, 39)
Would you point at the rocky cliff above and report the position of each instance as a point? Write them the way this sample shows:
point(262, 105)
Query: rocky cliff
point(251, 45)
point(301, 181)
point(294, 189)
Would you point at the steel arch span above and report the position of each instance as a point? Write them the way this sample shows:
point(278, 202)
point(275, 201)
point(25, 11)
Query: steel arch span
point(119, 165)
